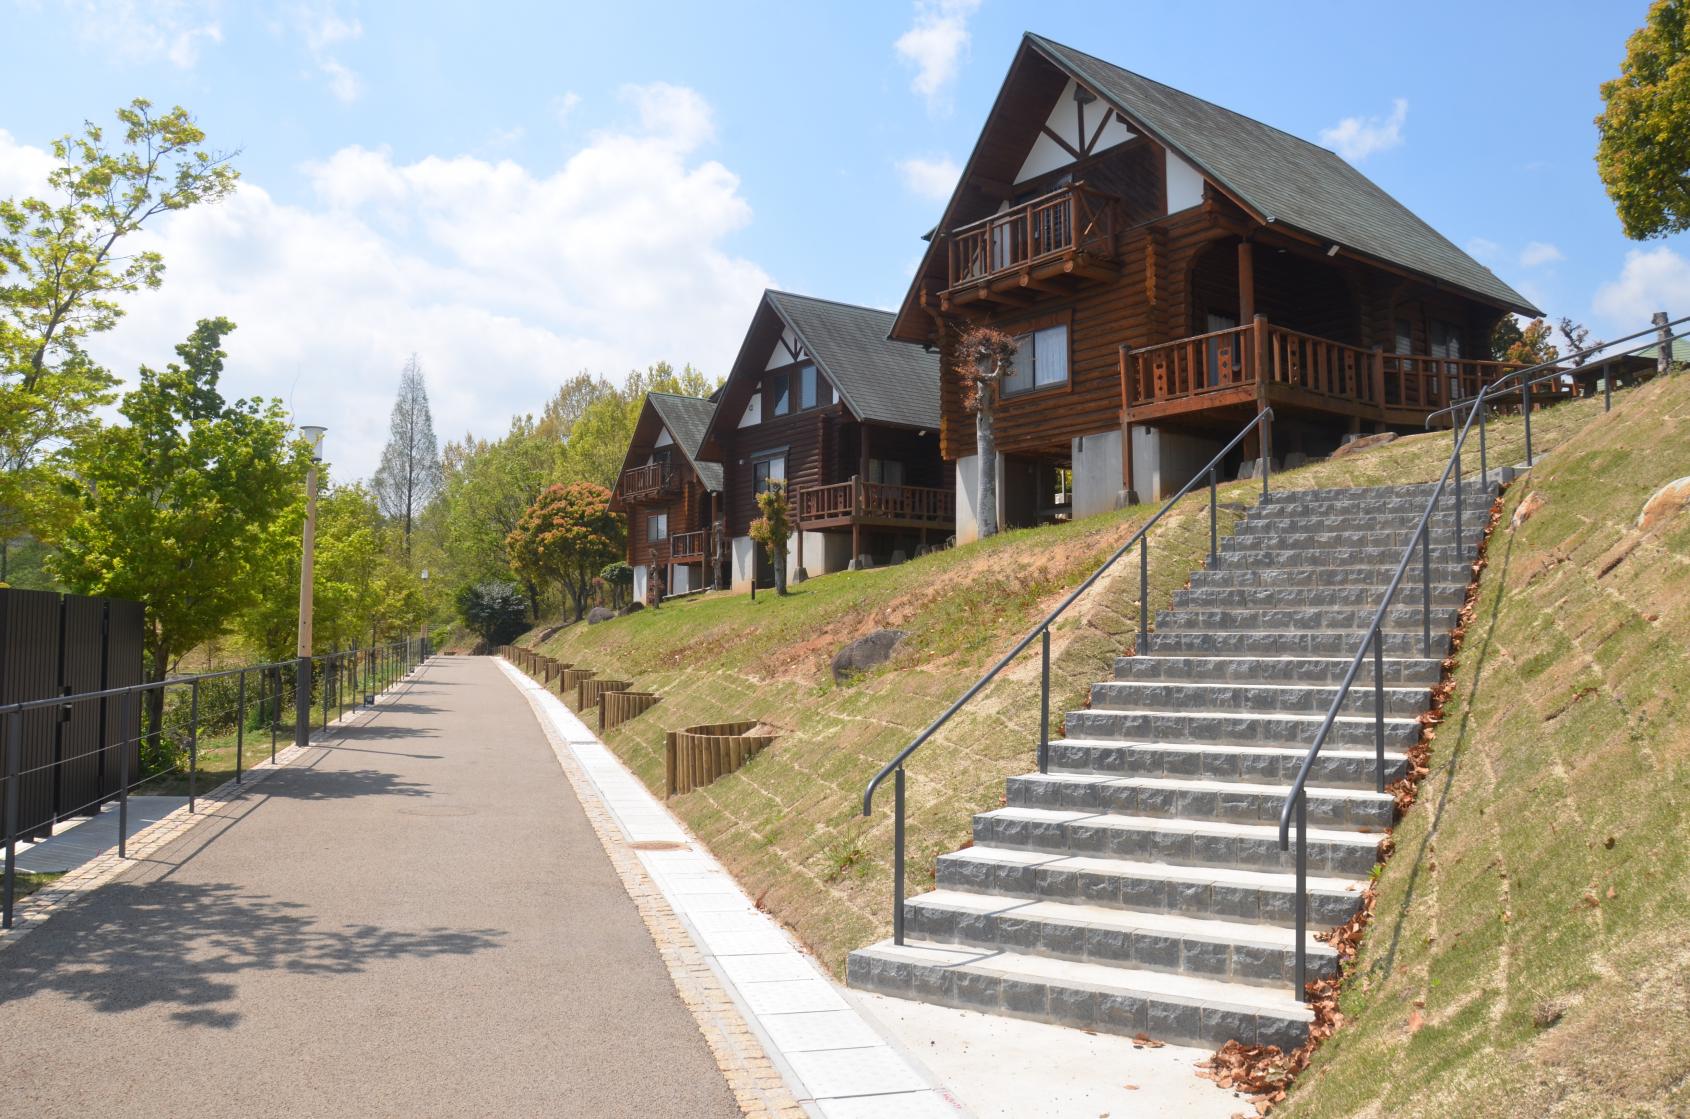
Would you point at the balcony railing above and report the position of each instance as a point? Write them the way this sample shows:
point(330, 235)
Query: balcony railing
point(1070, 219)
point(874, 501)
point(687, 547)
point(655, 479)
point(1210, 364)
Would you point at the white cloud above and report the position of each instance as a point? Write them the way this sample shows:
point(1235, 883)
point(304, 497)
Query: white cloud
point(322, 29)
point(1356, 138)
point(1538, 253)
point(930, 178)
point(564, 104)
point(504, 278)
point(23, 169)
point(935, 44)
point(1652, 280)
point(1483, 248)
point(147, 30)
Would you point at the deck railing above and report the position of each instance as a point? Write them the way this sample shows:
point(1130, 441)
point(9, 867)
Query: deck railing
point(687, 547)
point(1070, 218)
point(1203, 364)
point(858, 499)
point(650, 480)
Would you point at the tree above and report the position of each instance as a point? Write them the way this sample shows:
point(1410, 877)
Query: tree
point(61, 278)
point(1643, 146)
point(1578, 338)
point(984, 358)
point(1534, 346)
point(488, 487)
point(409, 475)
point(566, 537)
point(619, 579)
point(172, 507)
point(774, 528)
point(493, 611)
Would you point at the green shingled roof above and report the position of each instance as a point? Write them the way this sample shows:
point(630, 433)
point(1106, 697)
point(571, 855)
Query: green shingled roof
point(1283, 179)
point(879, 380)
point(687, 418)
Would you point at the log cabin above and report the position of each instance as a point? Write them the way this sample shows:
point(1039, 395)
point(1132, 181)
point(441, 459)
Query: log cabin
point(671, 497)
point(819, 398)
point(1170, 267)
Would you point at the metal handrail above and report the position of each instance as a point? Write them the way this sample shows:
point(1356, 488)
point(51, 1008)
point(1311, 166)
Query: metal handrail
point(1263, 420)
point(1296, 800)
point(391, 661)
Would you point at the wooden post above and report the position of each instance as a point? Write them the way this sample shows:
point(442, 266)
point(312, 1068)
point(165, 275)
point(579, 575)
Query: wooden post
point(1378, 375)
point(1246, 282)
point(1663, 343)
point(856, 526)
point(671, 772)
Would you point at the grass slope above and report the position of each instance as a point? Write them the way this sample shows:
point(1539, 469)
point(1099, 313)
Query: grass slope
point(789, 824)
point(1530, 953)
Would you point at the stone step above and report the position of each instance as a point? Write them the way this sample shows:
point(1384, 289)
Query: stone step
point(1331, 851)
point(1177, 1009)
point(1286, 520)
point(1251, 896)
point(1399, 671)
point(1334, 767)
point(1194, 798)
point(1071, 930)
point(1474, 506)
point(1374, 577)
point(1285, 643)
point(1373, 495)
point(1268, 558)
point(1318, 598)
point(1265, 699)
point(1289, 539)
point(1331, 619)
point(1237, 728)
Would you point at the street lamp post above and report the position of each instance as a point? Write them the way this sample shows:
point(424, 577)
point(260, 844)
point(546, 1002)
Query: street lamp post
point(302, 671)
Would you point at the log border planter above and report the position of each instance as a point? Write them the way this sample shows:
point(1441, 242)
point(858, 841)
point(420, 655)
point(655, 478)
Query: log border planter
point(570, 679)
point(587, 692)
point(698, 755)
point(617, 707)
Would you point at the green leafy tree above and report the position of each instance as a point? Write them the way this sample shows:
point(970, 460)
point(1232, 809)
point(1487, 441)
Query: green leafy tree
point(619, 578)
point(492, 610)
point(1643, 150)
point(63, 272)
point(774, 529)
point(566, 537)
point(488, 487)
point(172, 506)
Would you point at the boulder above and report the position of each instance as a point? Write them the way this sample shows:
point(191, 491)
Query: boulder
point(632, 608)
point(1364, 443)
point(1670, 499)
point(599, 614)
point(865, 653)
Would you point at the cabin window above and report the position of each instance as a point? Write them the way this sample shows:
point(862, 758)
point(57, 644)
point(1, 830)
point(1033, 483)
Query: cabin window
point(656, 527)
point(780, 395)
point(1446, 339)
point(660, 456)
point(806, 387)
point(885, 472)
point(766, 470)
point(1041, 360)
point(1405, 336)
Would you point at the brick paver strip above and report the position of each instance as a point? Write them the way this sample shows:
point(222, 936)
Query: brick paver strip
point(415, 920)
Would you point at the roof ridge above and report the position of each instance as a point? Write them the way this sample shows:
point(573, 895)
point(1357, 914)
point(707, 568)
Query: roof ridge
point(830, 302)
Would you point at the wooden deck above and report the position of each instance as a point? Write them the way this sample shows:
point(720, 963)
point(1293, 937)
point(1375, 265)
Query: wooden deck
point(872, 505)
point(656, 481)
point(1013, 257)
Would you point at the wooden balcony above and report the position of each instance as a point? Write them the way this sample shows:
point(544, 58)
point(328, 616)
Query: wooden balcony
point(687, 547)
point(871, 504)
point(656, 481)
point(1068, 234)
point(1224, 367)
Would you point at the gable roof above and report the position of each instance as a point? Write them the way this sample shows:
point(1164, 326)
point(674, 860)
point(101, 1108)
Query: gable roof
point(688, 419)
point(878, 380)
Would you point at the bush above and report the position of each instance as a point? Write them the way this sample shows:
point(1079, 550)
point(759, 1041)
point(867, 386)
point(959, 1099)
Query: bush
point(495, 612)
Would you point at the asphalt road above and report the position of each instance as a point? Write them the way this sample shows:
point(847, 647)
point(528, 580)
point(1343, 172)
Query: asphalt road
point(415, 921)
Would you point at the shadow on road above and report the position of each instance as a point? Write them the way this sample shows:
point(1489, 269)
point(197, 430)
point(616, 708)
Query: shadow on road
point(185, 946)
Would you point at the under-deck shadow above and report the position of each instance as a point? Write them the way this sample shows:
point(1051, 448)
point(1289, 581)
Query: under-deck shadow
point(185, 946)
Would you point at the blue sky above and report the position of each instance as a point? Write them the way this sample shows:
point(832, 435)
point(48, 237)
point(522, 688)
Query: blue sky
point(534, 190)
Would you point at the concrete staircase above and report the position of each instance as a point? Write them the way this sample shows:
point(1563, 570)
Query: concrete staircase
point(1139, 885)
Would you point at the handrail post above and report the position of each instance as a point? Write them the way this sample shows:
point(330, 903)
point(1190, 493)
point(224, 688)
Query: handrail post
point(193, 739)
point(1460, 541)
point(1426, 586)
point(302, 701)
point(1214, 538)
point(1607, 390)
point(275, 708)
point(240, 724)
point(1526, 415)
point(1302, 896)
point(1044, 702)
point(123, 776)
point(1265, 435)
point(1379, 709)
point(1143, 593)
point(1484, 464)
point(898, 857)
point(14, 763)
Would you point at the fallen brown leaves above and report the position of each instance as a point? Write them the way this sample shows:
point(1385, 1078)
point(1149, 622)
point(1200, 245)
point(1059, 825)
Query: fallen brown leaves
point(1264, 1073)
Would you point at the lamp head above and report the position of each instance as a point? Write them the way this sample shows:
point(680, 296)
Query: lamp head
point(314, 436)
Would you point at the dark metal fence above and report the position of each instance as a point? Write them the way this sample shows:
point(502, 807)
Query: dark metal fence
point(109, 735)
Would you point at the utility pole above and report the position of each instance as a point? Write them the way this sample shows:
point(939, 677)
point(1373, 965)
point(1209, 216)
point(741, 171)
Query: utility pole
point(302, 669)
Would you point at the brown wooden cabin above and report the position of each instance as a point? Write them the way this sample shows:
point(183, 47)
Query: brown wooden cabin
point(820, 398)
point(1171, 267)
point(671, 497)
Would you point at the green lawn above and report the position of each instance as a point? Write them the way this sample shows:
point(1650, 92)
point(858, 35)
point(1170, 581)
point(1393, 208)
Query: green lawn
point(789, 824)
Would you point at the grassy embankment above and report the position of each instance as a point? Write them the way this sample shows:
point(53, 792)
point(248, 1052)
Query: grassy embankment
point(1531, 948)
point(789, 824)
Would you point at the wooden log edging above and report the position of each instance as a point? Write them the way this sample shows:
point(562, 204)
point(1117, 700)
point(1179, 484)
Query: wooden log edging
point(570, 679)
point(698, 755)
point(618, 706)
point(587, 692)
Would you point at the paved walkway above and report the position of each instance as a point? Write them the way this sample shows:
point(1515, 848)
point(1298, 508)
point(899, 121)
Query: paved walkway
point(416, 920)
